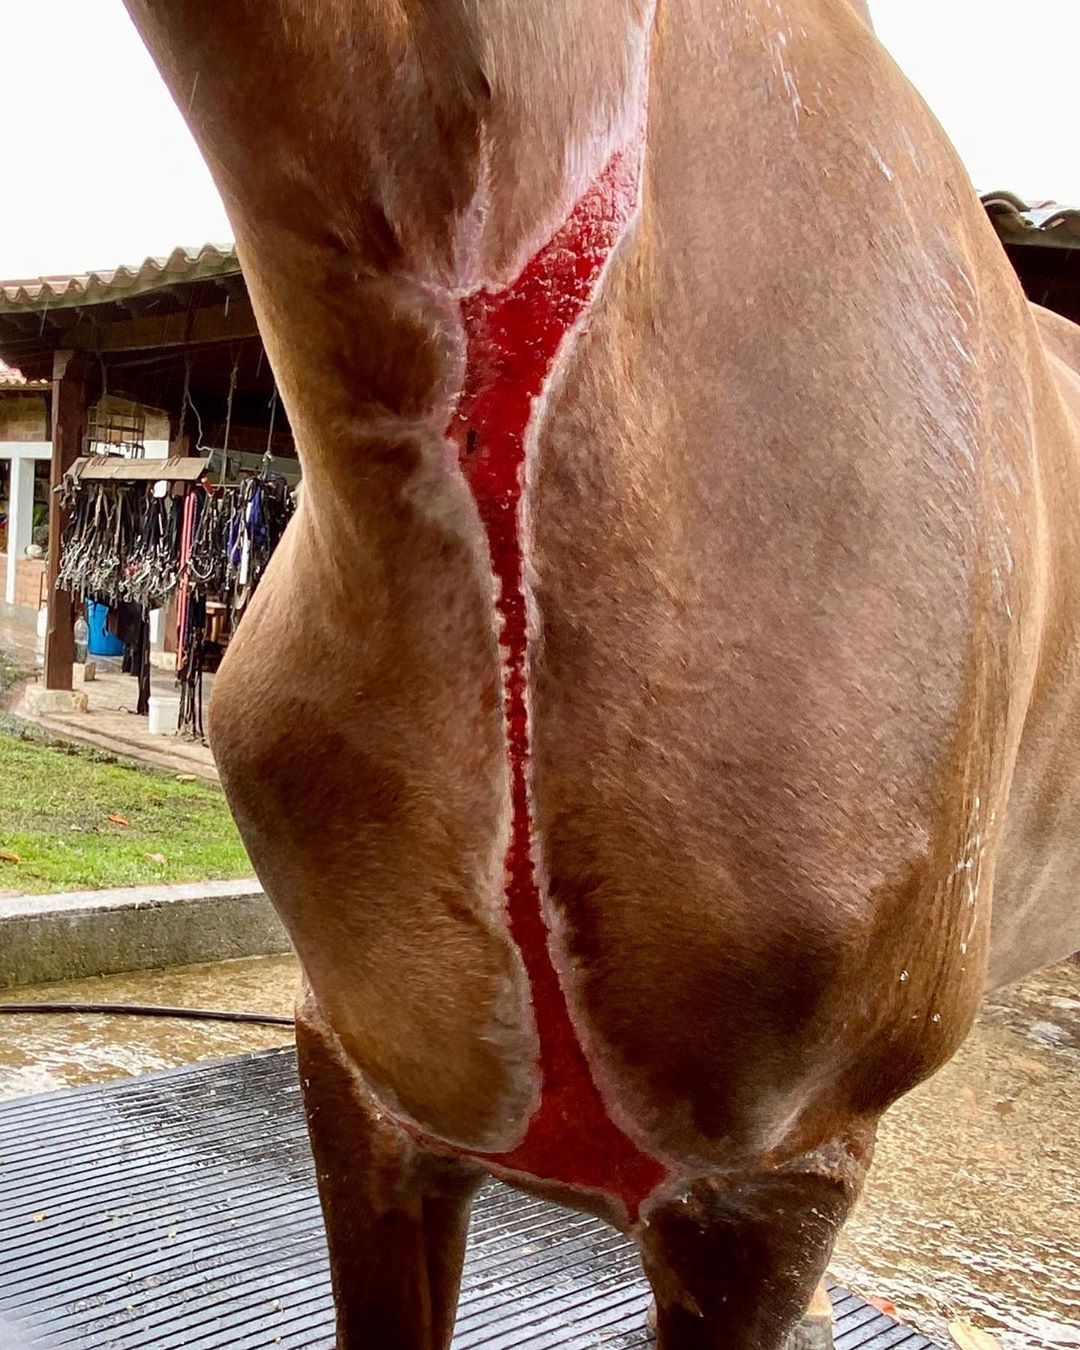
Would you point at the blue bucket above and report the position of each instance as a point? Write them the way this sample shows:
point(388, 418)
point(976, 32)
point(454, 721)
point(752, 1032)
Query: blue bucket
point(101, 642)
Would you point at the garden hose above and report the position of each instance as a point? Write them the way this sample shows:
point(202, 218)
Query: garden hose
point(150, 1010)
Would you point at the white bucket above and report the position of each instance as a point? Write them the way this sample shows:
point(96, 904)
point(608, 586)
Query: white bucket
point(164, 714)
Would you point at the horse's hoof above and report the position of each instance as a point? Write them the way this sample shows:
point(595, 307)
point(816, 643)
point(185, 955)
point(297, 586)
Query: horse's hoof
point(814, 1332)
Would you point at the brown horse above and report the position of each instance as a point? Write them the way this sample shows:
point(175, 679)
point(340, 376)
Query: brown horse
point(676, 643)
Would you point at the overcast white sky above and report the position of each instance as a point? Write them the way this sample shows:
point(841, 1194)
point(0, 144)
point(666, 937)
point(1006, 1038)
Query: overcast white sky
point(99, 169)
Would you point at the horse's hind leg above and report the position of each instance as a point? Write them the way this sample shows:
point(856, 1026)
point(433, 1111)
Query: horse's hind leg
point(396, 1218)
point(734, 1262)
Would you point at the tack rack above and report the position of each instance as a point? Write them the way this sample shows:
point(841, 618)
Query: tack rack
point(121, 544)
point(203, 543)
point(230, 532)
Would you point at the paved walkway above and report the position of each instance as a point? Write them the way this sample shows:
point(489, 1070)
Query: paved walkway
point(111, 722)
point(21, 644)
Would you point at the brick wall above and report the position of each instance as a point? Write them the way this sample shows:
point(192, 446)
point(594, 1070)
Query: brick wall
point(23, 417)
point(30, 582)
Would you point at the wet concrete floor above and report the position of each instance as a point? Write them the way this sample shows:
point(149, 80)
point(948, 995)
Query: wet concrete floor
point(973, 1205)
point(41, 1053)
point(972, 1209)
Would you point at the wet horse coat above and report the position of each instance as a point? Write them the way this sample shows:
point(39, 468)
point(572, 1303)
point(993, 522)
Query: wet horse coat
point(688, 540)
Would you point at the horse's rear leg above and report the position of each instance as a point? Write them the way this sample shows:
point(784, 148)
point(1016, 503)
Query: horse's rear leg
point(735, 1262)
point(396, 1218)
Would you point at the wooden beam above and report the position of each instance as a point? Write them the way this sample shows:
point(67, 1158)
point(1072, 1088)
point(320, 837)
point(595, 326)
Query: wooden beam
point(119, 469)
point(219, 323)
point(1027, 238)
point(25, 323)
point(69, 407)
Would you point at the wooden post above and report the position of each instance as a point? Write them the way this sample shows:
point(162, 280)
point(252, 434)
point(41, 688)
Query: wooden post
point(183, 447)
point(69, 409)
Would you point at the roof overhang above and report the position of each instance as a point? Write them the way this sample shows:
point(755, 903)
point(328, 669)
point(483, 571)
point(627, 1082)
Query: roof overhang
point(121, 283)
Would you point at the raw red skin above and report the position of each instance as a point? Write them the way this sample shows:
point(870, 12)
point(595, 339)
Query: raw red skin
point(512, 338)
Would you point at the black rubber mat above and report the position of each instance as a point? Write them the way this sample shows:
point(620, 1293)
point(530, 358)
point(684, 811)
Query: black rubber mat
point(179, 1210)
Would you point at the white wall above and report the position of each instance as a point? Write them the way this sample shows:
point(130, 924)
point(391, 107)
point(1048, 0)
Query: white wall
point(22, 455)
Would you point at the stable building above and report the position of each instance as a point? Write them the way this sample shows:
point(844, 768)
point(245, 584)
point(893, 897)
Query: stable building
point(161, 361)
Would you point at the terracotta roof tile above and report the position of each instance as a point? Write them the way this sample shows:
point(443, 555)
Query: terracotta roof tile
point(1042, 222)
point(10, 378)
point(182, 264)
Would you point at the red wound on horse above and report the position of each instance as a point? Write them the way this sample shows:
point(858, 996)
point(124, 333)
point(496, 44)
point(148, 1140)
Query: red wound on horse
point(513, 338)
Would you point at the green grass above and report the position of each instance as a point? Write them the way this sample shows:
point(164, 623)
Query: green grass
point(55, 803)
point(10, 674)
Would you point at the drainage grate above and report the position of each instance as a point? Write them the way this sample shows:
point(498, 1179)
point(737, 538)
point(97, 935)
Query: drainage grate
point(179, 1210)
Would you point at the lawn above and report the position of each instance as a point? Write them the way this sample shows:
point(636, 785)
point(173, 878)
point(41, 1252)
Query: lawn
point(77, 819)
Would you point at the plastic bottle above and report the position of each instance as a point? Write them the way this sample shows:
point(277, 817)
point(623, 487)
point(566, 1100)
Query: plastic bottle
point(82, 639)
